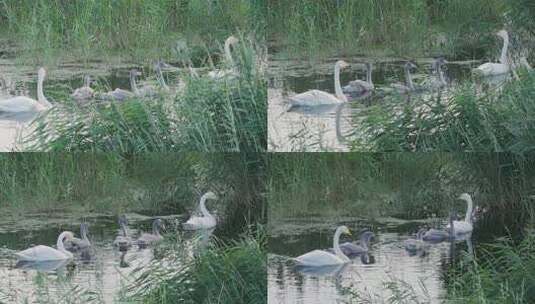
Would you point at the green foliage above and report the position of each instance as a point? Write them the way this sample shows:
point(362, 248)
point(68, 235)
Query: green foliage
point(502, 273)
point(131, 27)
point(208, 115)
point(498, 121)
point(416, 27)
point(228, 272)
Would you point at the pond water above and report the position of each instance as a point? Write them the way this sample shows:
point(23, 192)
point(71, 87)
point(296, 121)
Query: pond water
point(332, 127)
point(96, 276)
point(386, 272)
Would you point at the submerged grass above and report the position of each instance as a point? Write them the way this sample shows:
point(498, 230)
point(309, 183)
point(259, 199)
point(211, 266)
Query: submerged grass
point(226, 272)
point(496, 121)
point(208, 115)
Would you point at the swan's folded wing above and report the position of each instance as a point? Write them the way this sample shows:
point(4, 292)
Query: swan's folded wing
point(40, 253)
point(317, 258)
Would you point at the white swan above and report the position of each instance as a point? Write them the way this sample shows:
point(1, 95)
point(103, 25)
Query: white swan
point(491, 68)
point(409, 84)
point(219, 74)
point(206, 221)
point(20, 104)
point(85, 92)
point(45, 253)
point(357, 87)
point(317, 97)
point(147, 239)
point(319, 258)
point(464, 227)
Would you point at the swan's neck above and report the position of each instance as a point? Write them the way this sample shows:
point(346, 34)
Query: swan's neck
point(87, 81)
point(337, 87)
point(84, 235)
point(408, 77)
point(161, 80)
point(60, 245)
point(203, 207)
point(123, 230)
point(364, 242)
point(441, 75)
point(133, 83)
point(336, 246)
point(503, 57)
point(228, 54)
point(40, 95)
point(369, 75)
point(468, 216)
point(155, 229)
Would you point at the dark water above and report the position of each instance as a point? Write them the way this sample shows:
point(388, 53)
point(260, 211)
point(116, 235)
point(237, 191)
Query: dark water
point(319, 129)
point(96, 277)
point(388, 272)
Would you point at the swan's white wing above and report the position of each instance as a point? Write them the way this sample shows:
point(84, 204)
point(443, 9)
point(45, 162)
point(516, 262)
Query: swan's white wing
point(318, 258)
point(219, 74)
point(197, 222)
point(461, 227)
point(314, 98)
point(41, 253)
point(490, 69)
point(18, 104)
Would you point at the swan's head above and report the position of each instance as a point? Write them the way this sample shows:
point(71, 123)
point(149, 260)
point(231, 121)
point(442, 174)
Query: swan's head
point(503, 34)
point(41, 73)
point(342, 64)
point(210, 195)
point(343, 230)
point(465, 197)
point(67, 236)
point(134, 73)
point(232, 40)
point(159, 223)
point(410, 65)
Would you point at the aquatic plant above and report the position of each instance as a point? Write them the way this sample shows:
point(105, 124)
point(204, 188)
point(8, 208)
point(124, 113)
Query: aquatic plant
point(389, 27)
point(146, 29)
point(501, 273)
point(495, 121)
point(226, 272)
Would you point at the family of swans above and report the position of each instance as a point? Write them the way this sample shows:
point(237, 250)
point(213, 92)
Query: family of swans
point(359, 88)
point(23, 104)
point(341, 253)
point(67, 243)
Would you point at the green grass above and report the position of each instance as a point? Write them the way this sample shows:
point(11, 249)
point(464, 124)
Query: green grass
point(113, 183)
point(209, 116)
point(384, 27)
point(495, 121)
point(501, 273)
point(136, 29)
point(404, 185)
point(226, 272)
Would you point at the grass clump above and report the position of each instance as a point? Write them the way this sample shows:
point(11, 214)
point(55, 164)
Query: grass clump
point(207, 115)
point(498, 121)
point(502, 273)
point(416, 27)
point(145, 28)
point(226, 272)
